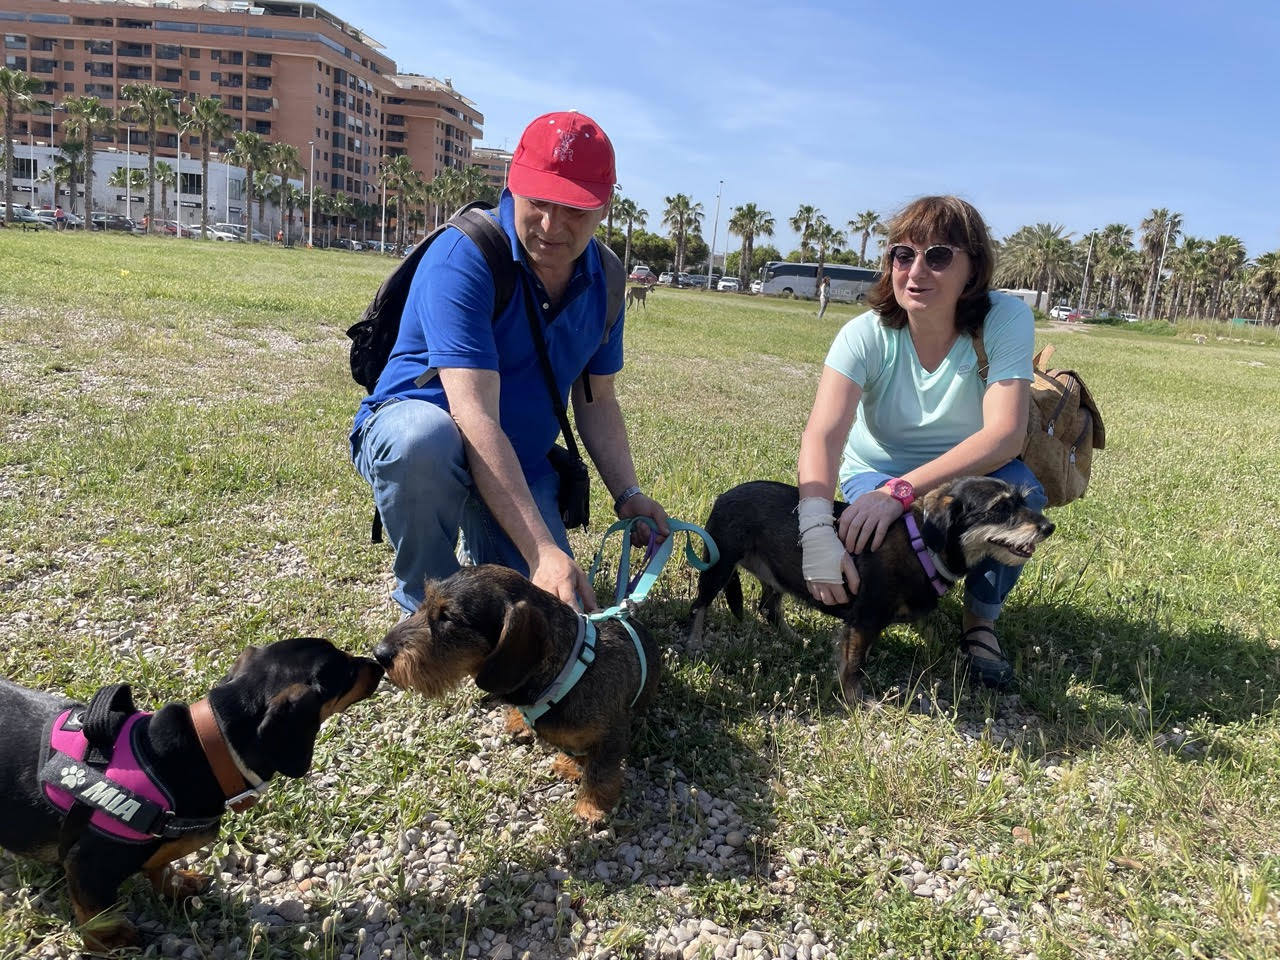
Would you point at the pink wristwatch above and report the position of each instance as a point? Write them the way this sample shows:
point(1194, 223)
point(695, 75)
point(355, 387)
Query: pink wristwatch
point(902, 491)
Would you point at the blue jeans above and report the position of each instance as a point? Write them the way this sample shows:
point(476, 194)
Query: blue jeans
point(411, 453)
point(987, 584)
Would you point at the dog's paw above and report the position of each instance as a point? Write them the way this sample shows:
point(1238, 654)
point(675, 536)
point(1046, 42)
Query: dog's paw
point(587, 810)
point(514, 724)
point(178, 885)
point(72, 777)
point(567, 767)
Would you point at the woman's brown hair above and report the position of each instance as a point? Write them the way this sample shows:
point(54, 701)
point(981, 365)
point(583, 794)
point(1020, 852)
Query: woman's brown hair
point(940, 220)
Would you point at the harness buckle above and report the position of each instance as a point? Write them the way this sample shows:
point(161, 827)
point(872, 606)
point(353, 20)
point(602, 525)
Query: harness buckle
point(246, 798)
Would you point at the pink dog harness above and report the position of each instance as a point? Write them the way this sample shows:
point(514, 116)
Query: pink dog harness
point(126, 800)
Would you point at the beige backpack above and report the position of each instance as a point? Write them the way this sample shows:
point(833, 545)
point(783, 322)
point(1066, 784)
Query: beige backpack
point(1064, 427)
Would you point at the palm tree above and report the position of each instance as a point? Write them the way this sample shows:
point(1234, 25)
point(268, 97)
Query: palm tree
point(1159, 230)
point(86, 116)
point(340, 208)
point(250, 152)
point(826, 239)
point(207, 120)
point(802, 223)
point(264, 188)
point(682, 217)
point(630, 213)
point(398, 174)
point(291, 198)
point(153, 107)
point(70, 161)
point(748, 222)
point(129, 179)
point(864, 223)
point(167, 177)
point(284, 162)
point(1115, 242)
point(58, 173)
point(1036, 256)
point(1266, 280)
point(17, 95)
point(1226, 258)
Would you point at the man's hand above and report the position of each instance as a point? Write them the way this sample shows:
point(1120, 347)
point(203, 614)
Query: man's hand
point(559, 574)
point(866, 520)
point(644, 506)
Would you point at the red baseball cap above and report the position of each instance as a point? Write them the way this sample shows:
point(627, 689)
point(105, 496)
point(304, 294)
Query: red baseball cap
point(563, 158)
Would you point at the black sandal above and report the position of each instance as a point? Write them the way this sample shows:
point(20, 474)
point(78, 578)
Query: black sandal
point(995, 673)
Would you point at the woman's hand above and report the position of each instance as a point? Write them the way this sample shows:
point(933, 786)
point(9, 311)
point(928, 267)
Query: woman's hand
point(825, 563)
point(644, 506)
point(866, 520)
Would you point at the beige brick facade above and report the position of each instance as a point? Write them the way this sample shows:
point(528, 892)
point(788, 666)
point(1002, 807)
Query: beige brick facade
point(290, 71)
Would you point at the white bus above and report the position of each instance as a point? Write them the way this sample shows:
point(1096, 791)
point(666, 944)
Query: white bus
point(850, 284)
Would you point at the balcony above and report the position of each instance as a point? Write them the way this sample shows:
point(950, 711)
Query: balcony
point(101, 48)
point(260, 60)
point(259, 104)
point(168, 51)
point(136, 50)
point(259, 83)
point(135, 73)
point(169, 76)
point(99, 69)
point(44, 66)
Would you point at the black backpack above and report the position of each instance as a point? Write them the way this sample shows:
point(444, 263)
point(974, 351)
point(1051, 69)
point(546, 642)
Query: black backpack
point(373, 336)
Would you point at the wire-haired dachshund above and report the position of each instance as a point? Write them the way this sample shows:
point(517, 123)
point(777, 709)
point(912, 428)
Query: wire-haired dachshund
point(962, 522)
point(514, 639)
point(104, 816)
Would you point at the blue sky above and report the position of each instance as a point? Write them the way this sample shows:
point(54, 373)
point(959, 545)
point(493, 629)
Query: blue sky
point(1073, 113)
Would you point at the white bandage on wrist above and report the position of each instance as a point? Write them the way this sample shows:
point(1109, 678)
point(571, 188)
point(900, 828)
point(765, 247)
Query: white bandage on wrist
point(819, 543)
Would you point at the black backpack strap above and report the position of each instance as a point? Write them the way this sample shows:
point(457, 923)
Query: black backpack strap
point(615, 275)
point(540, 343)
point(494, 244)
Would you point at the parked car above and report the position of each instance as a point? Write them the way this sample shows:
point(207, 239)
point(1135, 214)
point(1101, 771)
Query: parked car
point(667, 279)
point(1078, 316)
point(642, 274)
point(685, 280)
point(1060, 311)
point(101, 220)
point(698, 281)
point(22, 217)
point(70, 221)
point(729, 283)
point(757, 286)
point(346, 243)
point(1129, 317)
point(219, 232)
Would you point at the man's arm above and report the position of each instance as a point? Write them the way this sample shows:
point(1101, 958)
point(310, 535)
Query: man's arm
point(604, 434)
point(474, 403)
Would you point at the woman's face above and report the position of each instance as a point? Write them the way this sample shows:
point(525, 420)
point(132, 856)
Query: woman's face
point(918, 288)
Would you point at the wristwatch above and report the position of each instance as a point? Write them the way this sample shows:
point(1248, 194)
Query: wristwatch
point(902, 491)
point(624, 496)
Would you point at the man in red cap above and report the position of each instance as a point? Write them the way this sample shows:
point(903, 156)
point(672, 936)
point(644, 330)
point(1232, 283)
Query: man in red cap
point(455, 435)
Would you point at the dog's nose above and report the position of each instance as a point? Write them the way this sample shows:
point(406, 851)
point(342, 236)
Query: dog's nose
point(1047, 527)
point(385, 654)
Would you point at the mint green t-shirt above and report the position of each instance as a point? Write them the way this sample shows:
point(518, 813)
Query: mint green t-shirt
point(907, 415)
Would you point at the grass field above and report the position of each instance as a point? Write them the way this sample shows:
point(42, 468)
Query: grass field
point(174, 485)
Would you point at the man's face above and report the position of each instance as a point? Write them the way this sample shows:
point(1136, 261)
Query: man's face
point(554, 235)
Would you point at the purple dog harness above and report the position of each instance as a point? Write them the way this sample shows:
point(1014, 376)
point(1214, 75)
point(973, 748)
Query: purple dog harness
point(126, 800)
point(939, 582)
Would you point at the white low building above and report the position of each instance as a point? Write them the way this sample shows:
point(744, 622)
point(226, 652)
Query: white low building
point(226, 187)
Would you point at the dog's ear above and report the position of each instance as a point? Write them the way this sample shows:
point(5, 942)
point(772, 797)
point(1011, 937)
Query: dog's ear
point(941, 510)
point(287, 733)
point(521, 647)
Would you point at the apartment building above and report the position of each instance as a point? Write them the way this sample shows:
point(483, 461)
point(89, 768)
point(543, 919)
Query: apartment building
point(493, 162)
point(290, 71)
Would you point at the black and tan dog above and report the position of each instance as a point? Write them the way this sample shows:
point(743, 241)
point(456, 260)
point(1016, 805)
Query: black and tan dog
point(514, 639)
point(961, 522)
point(261, 719)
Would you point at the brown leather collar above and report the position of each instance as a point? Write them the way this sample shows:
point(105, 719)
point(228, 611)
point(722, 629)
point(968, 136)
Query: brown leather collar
point(239, 793)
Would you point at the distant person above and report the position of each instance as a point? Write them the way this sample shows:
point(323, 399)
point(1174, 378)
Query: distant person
point(59, 217)
point(901, 408)
point(824, 296)
point(456, 433)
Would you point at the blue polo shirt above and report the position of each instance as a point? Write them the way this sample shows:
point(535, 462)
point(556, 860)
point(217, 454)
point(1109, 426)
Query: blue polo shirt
point(448, 322)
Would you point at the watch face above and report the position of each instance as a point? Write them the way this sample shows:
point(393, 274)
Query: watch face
point(900, 488)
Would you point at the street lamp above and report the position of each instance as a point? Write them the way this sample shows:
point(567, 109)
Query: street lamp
point(711, 257)
point(382, 244)
point(311, 198)
point(177, 209)
point(128, 167)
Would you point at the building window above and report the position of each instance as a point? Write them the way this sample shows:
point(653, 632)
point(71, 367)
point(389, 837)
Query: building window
point(193, 74)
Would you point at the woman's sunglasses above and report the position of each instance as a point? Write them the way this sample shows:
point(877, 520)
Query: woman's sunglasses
point(937, 257)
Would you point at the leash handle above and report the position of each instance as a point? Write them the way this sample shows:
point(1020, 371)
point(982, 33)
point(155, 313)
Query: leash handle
point(655, 559)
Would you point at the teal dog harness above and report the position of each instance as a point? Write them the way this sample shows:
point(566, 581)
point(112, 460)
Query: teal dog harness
point(628, 597)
